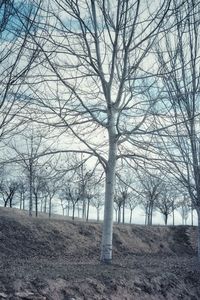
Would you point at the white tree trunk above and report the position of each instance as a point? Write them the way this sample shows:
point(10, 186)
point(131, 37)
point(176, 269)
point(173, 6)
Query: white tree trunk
point(119, 215)
point(23, 201)
point(106, 246)
point(192, 217)
point(198, 215)
point(84, 209)
point(97, 215)
point(131, 214)
point(30, 191)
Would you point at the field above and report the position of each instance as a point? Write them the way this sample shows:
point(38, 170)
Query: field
point(59, 259)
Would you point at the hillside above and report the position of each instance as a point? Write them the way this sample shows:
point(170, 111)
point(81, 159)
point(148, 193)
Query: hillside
point(59, 259)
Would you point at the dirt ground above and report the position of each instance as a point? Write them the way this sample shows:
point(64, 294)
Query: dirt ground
point(59, 259)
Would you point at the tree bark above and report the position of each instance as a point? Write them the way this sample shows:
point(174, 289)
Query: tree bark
point(23, 202)
point(166, 217)
point(30, 189)
point(192, 217)
point(36, 205)
point(119, 215)
point(41, 205)
point(123, 215)
point(198, 216)
point(151, 213)
point(146, 216)
point(84, 208)
point(78, 211)
point(68, 208)
point(45, 204)
point(73, 211)
point(88, 209)
point(50, 207)
point(106, 246)
point(20, 202)
point(131, 214)
point(63, 208)
point(116, 215)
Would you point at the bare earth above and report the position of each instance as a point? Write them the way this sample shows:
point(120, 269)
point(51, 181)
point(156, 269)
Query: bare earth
point(59, 259)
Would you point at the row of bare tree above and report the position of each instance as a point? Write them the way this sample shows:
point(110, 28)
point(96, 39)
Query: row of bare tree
point(76, 187)
point(117, 81)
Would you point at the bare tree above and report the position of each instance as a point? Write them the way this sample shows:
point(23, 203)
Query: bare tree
point(192, 213)
point(84, 177)
point(97, 202)
point(22, 191)
point(38, 189)
point(122, 197)
point(184, 209)
point(99, 60)
point(64, 201)
point(73, 194)
point(8, 189)
point(178, 58)
point(27, 153)
point(132, 202)
point(118, 200)
point(150, 189)
point(166, 201)
point(94, 187)
point(63, 205)
point(52, 187)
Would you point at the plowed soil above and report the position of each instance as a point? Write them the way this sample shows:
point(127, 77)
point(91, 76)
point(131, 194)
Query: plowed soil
point(59, 259)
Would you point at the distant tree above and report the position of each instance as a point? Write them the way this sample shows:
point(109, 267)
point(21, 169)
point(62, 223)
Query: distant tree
point(166, 201)
point(118, 200)
point(89, 196)
point(150, 189)
point(64, 201)
point(28, 153)
point(94, 190)
point(122, 188)
point(44, 201)
point(38, 189)
point(133, 201)
point(184, 209)
point(8, 189)
point(116, 210)
point(192, 213)
point(97, 202)
point(22, 191)
point(63, 204)
point(52, 187)
point(86, 181)
point(47, 183)
point(73, 194)
point(86, 184)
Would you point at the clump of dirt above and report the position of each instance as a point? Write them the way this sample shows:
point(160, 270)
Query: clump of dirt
point(59, 259)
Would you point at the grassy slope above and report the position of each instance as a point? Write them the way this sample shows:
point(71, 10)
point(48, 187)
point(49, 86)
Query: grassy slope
point(59, 259)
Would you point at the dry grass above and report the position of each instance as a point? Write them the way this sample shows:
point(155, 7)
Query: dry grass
point(59, 259)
